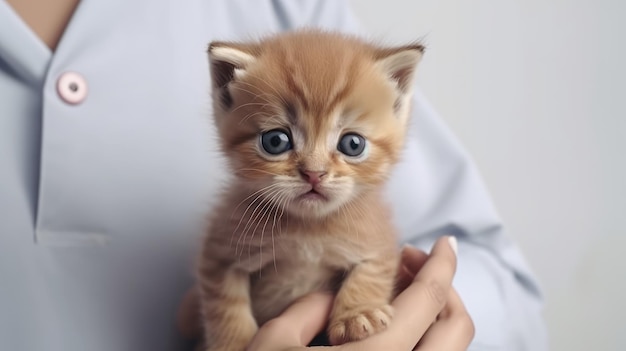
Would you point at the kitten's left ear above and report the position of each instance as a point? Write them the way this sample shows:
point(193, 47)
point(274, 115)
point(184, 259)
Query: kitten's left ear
point(400, 64)
point(228, 61)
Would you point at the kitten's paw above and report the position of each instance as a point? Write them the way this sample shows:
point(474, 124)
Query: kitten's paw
point(359, 323)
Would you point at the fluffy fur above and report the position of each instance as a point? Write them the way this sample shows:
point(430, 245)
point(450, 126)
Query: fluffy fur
point(310, 218)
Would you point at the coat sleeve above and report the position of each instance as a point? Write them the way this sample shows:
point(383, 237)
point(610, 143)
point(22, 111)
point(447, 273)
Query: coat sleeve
point(436, 191)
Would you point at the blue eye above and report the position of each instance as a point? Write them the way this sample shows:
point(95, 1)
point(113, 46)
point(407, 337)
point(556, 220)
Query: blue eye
point(351, 144)
point(275, 142)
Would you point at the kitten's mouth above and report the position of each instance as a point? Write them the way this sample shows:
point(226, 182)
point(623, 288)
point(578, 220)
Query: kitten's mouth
point(313, 195)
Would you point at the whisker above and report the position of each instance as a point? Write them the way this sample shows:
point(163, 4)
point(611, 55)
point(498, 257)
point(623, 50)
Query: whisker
point(253, 218)
point(279, 206)
point(274, 210)
point(252, 114)
point(264, 94)
point(268, 85)
point(259, 196)
point(260, 193)
point(251, 195)
point(269, 202)
point(251, 104)
point(282, 211)
point(254, 94)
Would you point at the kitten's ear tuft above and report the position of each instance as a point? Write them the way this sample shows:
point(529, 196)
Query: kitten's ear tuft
point(227, 61)
point(400, 64)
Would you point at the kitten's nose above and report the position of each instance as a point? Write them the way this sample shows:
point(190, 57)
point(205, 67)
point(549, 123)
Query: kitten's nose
point(313, 177)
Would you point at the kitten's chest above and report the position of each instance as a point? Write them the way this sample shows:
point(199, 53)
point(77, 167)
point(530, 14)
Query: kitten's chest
point(293, 250)
point(301, 268)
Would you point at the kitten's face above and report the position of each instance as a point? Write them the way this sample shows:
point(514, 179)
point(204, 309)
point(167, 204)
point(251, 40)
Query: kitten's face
point(309, 120)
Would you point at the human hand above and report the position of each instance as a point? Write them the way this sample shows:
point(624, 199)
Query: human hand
point(429, 314)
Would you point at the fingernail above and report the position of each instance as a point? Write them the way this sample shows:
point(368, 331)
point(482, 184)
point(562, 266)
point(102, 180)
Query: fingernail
point(453, 244)
point(406, 246)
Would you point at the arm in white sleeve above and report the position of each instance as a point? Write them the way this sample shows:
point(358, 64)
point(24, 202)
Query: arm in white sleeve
point(447, 197)
point(436, 190)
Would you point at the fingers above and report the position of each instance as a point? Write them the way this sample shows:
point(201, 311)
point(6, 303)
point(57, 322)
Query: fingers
point(453, 331)
point(297, 326)
point(413, 259)
point(419, 304)
point(411, 262)
point(428, 295)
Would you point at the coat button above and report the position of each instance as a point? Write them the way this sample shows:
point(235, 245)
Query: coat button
point(72, 88)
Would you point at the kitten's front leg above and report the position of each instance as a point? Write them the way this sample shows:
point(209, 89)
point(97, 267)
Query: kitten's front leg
point(362, 306)
point(225, 301)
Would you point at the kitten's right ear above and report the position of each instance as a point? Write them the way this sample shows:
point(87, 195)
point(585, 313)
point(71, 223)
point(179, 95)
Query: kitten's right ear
point(228, 61)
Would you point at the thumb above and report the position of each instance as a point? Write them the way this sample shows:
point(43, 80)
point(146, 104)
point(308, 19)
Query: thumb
point(297, 326)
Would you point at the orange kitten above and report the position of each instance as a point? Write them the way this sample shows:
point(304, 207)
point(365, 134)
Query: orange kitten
point(311, 123)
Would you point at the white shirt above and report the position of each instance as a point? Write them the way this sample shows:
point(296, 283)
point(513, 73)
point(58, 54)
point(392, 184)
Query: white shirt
point(101, 201)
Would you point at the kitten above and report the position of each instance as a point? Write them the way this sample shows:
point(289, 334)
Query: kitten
point(311, 123)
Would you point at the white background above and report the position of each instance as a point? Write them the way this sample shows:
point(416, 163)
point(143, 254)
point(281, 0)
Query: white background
point(536, 91)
